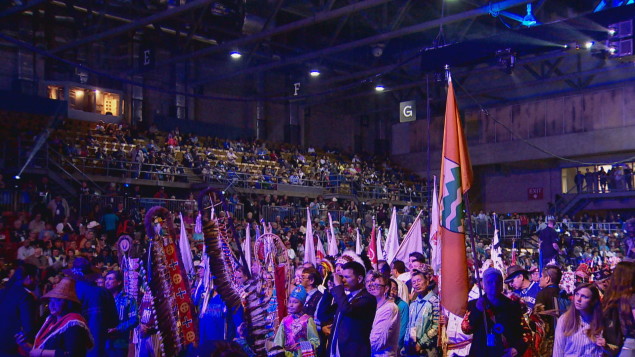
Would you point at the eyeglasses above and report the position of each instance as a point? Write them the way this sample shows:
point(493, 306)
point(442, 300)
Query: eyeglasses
point(375, 286)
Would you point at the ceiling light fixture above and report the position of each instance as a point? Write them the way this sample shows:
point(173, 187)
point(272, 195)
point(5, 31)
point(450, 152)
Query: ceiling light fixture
point(235, 55)
point(380, 88)
point(314, 73)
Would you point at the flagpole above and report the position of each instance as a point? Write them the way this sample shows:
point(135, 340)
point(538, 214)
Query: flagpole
point(468, 213)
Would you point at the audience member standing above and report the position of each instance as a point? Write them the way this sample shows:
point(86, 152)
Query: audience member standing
point(507, 340)
point(579, 330)
point(310, 281)
point(423, 324)
point(97, 305)
point(384, 336)
point(526, 289)
point(355, 313)
point(619, 310)
point(547, 300)
point(18, 309)
point(119, 336)
point(549, 247)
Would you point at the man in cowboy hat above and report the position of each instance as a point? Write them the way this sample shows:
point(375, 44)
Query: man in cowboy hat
point(526, 289)
point(98, 305)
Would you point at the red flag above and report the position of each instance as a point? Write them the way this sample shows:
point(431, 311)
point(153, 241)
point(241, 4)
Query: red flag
point(455, 181)
point(372, 247)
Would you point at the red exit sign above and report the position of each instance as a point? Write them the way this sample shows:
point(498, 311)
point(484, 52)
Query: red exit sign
point(535, 193)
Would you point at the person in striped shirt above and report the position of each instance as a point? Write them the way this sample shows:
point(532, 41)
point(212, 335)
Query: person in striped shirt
point(579, 330)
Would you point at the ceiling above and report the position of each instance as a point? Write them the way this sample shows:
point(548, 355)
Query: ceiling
point(404, 44)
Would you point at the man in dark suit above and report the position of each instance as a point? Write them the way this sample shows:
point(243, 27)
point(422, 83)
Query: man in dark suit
point(98, 305)
point(355, 313)
point(18, 309)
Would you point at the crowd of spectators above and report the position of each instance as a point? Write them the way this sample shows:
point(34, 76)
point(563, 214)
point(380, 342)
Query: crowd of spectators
point(617, 178)
point(116, 150)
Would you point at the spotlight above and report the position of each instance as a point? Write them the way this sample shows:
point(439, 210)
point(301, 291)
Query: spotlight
point(589, 44)
point(17, 177)
point(565, 46)
point(314, 73)
point(529, 19)
point(380, 88)
point(235, 55)
point(612, 50)
point(612, 31)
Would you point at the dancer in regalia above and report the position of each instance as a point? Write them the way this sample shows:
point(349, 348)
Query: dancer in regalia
point(297, 333)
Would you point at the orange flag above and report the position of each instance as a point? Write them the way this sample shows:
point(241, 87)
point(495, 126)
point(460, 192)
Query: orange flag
point(455, 180)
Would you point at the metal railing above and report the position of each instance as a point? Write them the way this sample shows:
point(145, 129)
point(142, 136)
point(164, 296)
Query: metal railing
point(270, 214)
point(129, 169)
point(88, 202)
point(16, 200)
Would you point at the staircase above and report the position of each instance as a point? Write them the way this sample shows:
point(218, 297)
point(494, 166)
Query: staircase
point(570, 204)
point(191, 176)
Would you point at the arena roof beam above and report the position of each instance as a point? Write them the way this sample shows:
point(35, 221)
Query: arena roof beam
point(133, 25)
point(369, 40)
point(318, 18)
point(21, 8)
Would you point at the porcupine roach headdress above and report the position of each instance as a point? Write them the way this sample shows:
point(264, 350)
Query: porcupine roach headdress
point(169, 286)
point(223, 265)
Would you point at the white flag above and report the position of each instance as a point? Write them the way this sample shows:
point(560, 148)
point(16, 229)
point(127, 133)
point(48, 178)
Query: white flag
point(496, 252)
point(435, 241)
point(392, 241)
point(309, 247)
point(247, 247)
point(358, 243)
point(186, 251)
point(412, 241)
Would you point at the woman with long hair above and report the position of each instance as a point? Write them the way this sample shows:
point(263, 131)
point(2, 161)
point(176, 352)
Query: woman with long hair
point(579, 330)
point(619, 310)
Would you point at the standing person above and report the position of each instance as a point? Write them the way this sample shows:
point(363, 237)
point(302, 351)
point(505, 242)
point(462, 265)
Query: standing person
point(110, 221)
point(579, 330)
point(64, 332)
point(547, 300)
point(119, 337)
point(579, 181)
point(423, 322)
point(297, 334)
point(97, 305)
point(499, 310)
point(384, 336)
point(403, 307)
point(310, 280)
point(526, 289)
point(355, 313)
point(629, 240)
point(549, 248)
point(18, 309)
point(619, 310)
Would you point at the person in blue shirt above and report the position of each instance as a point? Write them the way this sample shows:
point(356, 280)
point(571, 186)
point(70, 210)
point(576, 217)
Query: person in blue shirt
point(526, 289)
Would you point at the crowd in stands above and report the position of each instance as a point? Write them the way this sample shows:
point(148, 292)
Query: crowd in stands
point(248, 163)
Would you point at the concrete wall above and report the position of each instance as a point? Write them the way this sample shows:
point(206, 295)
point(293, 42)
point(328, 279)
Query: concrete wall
point(504, 189)
point(593, 122)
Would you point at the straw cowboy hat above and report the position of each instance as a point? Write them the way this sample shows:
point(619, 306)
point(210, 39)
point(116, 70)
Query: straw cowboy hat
point(65, 289)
